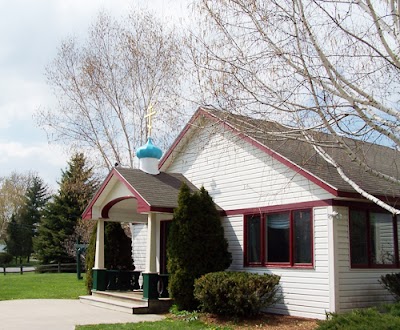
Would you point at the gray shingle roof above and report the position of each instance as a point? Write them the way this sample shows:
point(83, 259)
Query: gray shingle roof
point(159, 191)
point(301, 153)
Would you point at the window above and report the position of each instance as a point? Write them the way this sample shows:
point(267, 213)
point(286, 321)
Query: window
point(279, 239)
point(373, 239)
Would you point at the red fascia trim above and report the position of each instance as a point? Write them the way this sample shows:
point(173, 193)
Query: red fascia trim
point(170, 210)
point(143, 206)
point(161, 209)
point(253, 142)
point(278, 208)
point(109, 205)
point(180, 136)
point(87, 213)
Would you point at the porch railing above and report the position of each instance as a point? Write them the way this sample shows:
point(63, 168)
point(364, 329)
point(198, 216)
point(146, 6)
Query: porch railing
point(123, 280)
point(128, 280)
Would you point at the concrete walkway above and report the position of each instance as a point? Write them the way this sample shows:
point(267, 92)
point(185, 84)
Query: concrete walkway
point(59, 314)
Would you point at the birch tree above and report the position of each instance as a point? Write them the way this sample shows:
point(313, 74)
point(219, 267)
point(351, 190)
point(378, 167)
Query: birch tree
point(12, 192)
point(315, 65)
point(105, 85)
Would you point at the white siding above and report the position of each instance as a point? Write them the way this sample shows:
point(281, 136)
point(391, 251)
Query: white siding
point(233, 229)
point(239, 175)
point(139, 239)
point(305, 292)
point(357, 287)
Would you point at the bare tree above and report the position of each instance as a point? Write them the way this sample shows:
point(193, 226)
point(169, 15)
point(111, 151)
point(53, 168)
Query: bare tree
point(12, 192)
point(105, 86)
point(317, 65)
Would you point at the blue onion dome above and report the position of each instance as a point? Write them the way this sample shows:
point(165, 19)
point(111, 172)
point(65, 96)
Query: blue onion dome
point(149, 150)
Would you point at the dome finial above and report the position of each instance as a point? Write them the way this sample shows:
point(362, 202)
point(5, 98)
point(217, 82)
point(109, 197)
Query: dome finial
point(149, 117)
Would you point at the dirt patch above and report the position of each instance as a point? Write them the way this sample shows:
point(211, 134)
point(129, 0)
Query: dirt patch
point(264, 321)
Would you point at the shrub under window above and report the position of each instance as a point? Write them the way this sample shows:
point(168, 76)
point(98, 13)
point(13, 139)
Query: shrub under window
point(236, 293)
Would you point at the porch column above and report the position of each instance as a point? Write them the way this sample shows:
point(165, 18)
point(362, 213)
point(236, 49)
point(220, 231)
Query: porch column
point(99, 272)
point(150, 275)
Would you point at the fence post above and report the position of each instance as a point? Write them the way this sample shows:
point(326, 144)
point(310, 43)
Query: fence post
point(4, 270)
point(59, 267)
point(21, 269)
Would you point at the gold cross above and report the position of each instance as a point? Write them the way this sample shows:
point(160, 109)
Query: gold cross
point(150, 114)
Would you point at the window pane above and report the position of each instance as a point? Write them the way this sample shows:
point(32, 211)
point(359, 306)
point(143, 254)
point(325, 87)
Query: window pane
point(358, 238)
point(254, 239)
point(278, 236)
point(302, 237)
point(382, 238)
point(398, 232)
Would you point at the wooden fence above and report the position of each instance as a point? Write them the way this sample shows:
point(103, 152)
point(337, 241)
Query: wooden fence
point(50, 268)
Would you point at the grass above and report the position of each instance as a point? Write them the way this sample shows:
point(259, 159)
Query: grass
point(178, 320)
point(164, 324)
point(41, 286)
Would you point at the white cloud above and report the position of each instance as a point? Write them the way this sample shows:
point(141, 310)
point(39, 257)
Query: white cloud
point(46, 160)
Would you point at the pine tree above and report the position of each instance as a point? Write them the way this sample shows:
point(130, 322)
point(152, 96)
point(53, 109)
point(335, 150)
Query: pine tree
point(13, 238)
point(62, 212)
point(26, 219)
point(30, 214)
point(196, 245)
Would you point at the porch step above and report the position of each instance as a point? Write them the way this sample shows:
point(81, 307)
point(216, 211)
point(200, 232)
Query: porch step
point(127, 303)
point(135, 296)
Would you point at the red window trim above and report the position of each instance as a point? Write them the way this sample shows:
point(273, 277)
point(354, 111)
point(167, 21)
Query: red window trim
point(371, 265)
point(291, 263)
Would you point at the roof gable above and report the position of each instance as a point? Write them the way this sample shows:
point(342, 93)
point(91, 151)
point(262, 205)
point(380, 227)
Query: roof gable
point(300, 155)
point(153, 193)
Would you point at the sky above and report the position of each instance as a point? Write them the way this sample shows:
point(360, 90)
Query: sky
point(30, 32)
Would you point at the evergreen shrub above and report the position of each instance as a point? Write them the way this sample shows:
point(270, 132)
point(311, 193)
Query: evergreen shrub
point(361, 319)
point(5, 258)
point(236, 293)
point(196, 245)
point(89, 260)
point(391, 282)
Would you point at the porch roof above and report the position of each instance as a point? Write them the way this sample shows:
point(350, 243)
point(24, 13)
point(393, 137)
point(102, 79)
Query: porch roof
point(159, 191)
point(147, 193)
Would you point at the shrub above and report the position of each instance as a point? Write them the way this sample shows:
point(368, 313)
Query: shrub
point(361, 319)
point(236, 293)
point(5, 258)
point(196, 245)
point(391, 282)
point(89, 260)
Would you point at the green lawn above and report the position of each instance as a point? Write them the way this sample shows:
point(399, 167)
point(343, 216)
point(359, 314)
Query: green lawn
point(165, 324)
point(41, 286)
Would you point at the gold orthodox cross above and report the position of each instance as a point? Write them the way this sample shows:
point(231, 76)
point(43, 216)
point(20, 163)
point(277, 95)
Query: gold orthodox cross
point(150, 114)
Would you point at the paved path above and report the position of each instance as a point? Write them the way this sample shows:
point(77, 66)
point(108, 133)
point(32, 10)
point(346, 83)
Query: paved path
point(59, 314)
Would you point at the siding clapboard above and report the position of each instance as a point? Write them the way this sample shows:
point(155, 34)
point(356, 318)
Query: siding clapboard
point(358, 288)
point(239, 176)
point(139, 239)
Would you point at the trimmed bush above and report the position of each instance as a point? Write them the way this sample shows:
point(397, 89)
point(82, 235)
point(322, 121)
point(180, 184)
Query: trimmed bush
point(361, 319)
point(236, 293)
point(5, 258)
point(391, 282)
point(196, 245)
